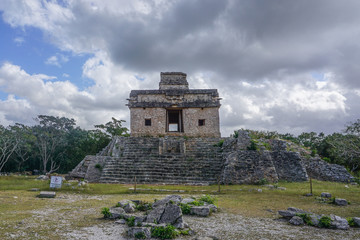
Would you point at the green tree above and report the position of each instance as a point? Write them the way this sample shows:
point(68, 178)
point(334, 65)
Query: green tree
point(114, 128)
point(51, 141)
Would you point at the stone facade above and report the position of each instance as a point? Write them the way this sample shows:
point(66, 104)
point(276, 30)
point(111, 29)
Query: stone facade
point(174, 109)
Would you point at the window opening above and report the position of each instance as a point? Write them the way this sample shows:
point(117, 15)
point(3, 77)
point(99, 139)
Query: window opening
point(201, 122)
point(148, 122)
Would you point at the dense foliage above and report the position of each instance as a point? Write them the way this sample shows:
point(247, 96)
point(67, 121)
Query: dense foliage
point(340, 148)
point(52, 144)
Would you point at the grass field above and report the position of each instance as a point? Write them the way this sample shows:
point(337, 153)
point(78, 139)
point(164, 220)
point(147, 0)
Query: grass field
point(23, 216)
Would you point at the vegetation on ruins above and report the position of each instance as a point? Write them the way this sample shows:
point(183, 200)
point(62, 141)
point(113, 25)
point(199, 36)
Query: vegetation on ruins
point(57, 144)
point(340, 148)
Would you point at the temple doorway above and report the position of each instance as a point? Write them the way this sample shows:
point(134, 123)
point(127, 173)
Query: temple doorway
point(174, 121)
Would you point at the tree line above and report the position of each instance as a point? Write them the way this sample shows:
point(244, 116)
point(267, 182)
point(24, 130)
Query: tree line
point(56, 144)
point(53, 144)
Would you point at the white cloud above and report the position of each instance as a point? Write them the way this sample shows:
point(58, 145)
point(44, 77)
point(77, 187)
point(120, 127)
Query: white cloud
point(57, 60)
point(19, 41)
point(260, 56)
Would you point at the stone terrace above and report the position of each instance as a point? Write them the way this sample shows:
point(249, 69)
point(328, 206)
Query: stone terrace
point(170, 160)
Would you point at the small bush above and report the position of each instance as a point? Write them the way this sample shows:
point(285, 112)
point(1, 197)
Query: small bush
point(306, 218)
point(253, 146)
point(220, 143)
point(98, 166)
point(262, 181)
point(197, 203)
point(143, 206)
point(208, 199)
point(106, 212)
point(236, 134)
point(351, 222)
point(325, 222)
point(140, 235)
point(131, 221)
point(185, 208)
point(167, 232)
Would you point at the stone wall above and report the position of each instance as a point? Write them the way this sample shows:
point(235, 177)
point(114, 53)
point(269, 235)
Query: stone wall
point(321, 170)
point(190, 117)
point(248, 167)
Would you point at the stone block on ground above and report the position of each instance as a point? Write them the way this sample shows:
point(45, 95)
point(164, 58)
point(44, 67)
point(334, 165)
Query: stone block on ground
point(117, 212)
point(171, 198)
point(326, 195)
point(138, 232)
point(172, 214)
point(290, 212)
point(187, 200)
point(340, 202)
point(314, 218)
point(46, 194)
point(121, 221)
point(339, 222)
point(296, 220)
point(357, 221)
point(34, 189)
point(201, 211)
point(130, 207)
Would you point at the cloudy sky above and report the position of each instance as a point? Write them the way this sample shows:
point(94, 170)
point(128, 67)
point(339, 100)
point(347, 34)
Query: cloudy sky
point(289, 66)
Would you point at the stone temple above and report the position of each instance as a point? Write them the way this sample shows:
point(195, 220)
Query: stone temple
point(174, 109)
point(175, 139)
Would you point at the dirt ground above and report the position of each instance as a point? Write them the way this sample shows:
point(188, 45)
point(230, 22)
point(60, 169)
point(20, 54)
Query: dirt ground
point(77, 216)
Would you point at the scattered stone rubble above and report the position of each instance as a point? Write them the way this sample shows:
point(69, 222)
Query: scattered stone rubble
point(299, 217)
point(161, 213)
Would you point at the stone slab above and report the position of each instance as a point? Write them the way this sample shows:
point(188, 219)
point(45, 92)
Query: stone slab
point(46, 194)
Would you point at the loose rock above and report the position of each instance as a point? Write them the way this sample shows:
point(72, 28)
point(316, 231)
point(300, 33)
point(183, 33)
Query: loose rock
point(325, 195)
point(296, 220)
point(340, 202)
point(201, 211)
point(135, 231)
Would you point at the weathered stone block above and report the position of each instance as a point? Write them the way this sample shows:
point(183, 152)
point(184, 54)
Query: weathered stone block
point(326, 195)
point(201, 211)
point(296, 220)
point(45, 194)
point(136, 232)
point(340, 202)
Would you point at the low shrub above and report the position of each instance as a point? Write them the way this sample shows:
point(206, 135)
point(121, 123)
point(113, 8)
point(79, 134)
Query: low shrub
point(253, 146)
point(351, 222)
point(106, 212)
point(140, 235)
point(167, 232)
point(306, 218)
point(197, 203)
point(131, 221)
point(208, 199)
point(98, 166)
point(325, 222)
point(262, 181)
point(185, 208)
point(143, 206)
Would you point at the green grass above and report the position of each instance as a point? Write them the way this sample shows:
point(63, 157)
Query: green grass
point(21, 211)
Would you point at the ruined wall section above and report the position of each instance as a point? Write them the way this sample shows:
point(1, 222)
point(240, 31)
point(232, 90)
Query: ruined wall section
point(321, 170)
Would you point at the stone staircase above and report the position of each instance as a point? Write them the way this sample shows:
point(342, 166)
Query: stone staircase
point(170, 160)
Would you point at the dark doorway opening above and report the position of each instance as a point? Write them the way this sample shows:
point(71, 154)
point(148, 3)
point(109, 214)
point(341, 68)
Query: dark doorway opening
point(174, 121)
